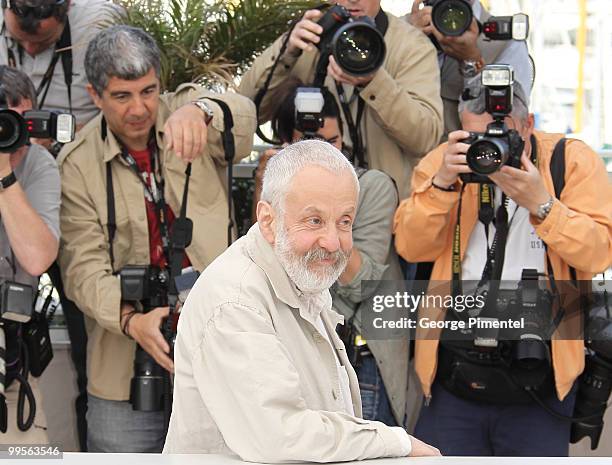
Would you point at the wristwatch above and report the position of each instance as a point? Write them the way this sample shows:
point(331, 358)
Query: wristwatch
point(471, 68)
point(7, 181)
point(544, 209)
point(205, 107)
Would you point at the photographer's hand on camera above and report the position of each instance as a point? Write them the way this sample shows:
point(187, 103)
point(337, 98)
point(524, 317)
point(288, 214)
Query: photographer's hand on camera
point(453, 161)
point(144, 328)
point(463, 47)
point(186, 132)
point(524, 186)
point(420, 17)
point(340, 76)
point(305, 33)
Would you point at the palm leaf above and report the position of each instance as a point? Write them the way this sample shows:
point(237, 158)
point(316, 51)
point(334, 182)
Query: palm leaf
point(209, 41)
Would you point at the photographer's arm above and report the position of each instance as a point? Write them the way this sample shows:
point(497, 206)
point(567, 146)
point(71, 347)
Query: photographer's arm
point(27, 215)
point(84, 255)
point(423, 223)
point(372, 233)
point(406, 100)
point(579, 226)
point(300, 41)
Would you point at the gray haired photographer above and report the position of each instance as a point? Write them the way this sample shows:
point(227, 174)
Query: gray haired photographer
point(29, 239)
point(503, 201)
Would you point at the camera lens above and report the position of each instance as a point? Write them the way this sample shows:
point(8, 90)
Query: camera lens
point(452, 17)
point(487, 156)
point(12, 131)
point(358, 48)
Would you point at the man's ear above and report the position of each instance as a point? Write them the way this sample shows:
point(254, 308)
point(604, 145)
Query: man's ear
point(266, 217)
point(97, 100)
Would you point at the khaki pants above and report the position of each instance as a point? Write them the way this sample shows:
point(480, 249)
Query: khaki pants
point(37, 434)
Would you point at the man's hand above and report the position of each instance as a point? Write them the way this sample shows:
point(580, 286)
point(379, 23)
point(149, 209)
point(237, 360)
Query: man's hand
point(524, 186)
point(421, 17)
point(5, 164)
point(145, 329)
point(420, 449)
point(463, 47)
point(453, 161)
point(334, 70)
point(185, 132)
point(305, 33)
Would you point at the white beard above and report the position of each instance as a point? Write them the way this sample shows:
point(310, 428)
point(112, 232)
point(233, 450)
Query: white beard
point(298, 267)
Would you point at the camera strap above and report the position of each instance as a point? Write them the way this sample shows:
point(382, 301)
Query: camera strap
point(63, 50)
point(229, 148)
point(354, 126)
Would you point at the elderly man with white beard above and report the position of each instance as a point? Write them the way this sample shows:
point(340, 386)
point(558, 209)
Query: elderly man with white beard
point(259, 369)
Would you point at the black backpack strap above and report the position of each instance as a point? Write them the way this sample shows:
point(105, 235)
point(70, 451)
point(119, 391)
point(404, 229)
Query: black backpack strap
point(557, 167)
point(557, 172)
point(112, 220)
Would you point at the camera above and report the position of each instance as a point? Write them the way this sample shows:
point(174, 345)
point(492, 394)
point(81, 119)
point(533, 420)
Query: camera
point(309, 104)
point(595, 382)
point(498, 146)
point(16, 130)
point(451, 17)
point(355, 43)
point(454, 17)
point(148, 285)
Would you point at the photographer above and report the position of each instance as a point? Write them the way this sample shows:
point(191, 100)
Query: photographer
point(47, 40)
point(381, 366)
point(531, 226)
point(29, 228)
point(123, 182)
point(461, 58)
point(391, 116)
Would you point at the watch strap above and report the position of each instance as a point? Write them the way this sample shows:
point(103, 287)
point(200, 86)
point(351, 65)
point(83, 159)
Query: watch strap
point(8, 181)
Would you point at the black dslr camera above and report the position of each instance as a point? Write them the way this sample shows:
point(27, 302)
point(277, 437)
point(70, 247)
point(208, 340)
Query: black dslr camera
point(149, 286)
point(357, 46)
point(16, 130)
point(498, 146)
point(453, 18)
point(595, 383)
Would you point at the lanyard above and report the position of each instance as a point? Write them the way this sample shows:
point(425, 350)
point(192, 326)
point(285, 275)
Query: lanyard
point(63, 50)
point(156, 194)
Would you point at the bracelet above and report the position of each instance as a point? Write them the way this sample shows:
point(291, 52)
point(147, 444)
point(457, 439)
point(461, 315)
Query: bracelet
point(451, 188)
point(125, 327)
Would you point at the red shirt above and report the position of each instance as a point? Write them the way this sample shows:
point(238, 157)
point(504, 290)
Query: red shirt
point(143, 160)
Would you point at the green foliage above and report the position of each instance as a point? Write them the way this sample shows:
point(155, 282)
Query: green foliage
point(210, 41)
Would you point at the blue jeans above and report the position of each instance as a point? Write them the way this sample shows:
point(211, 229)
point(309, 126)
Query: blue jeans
point(460, 427)
point(374, 398)
point(112, 426)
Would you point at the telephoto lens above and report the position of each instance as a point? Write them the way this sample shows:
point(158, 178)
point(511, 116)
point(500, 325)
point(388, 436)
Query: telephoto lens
point(451, 17)
point(13, 133)
point(355, 43)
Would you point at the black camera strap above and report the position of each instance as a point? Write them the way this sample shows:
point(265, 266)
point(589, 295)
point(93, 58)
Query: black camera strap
point(63, 50)
point(354, 126)
point(229, 147)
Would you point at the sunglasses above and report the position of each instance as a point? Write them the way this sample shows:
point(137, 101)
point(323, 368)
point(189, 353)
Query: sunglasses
point(38, 12)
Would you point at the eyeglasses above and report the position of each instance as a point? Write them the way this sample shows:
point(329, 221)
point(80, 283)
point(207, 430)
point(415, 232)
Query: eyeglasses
point(38, 12)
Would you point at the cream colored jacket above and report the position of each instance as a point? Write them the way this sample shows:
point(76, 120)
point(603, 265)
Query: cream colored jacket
point(255, 377)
